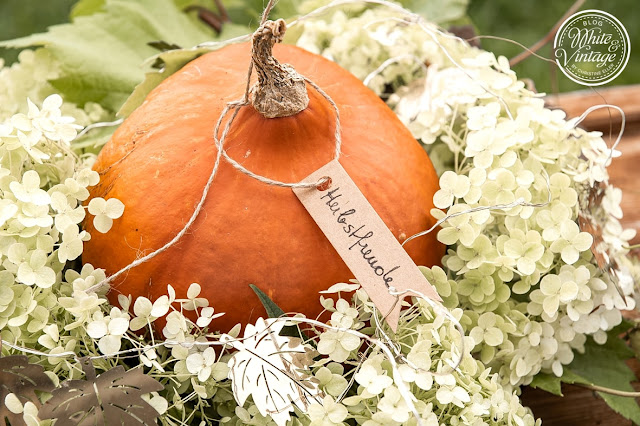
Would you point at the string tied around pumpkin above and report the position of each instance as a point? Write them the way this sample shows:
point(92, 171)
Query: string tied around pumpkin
point(275, 82)
point(277, 79)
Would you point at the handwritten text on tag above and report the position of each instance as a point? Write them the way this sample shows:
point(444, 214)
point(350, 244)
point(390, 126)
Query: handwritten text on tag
point(362, 240)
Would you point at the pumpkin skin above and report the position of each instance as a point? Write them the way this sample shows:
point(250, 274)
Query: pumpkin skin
point(160, 158)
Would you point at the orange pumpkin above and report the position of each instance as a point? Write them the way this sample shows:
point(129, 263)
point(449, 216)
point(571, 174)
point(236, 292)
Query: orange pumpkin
point(248, 232)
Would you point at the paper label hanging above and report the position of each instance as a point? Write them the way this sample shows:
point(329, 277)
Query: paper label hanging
point(363, 241)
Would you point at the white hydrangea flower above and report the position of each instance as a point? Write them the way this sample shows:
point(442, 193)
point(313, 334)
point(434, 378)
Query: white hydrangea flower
point(571, 242)
point(337, 344)
point(193, 302)
point(88, 277)
point(149, 358)
point(13, 404)
point(394, 405)
point(71, 246)
point(483, 116)
point(105, 211)
point(207, 315)
point(51, 336)
point(486, 331)
point(331, 378)
point(32, 216)
point(526, 249)
point(8, 210)
point(460, 228)
point(345, 315)
point(452, 186)
point(455, 395)
point(329, 413)
point(30, 143)
point(372, 378)
point(562, 191)
point(82, 306)
point(109, 330)
point(157, 401)
point(69, 213)
point(49, 120)
point(146, 312)
point(551, 218)
point(29, 190)
point(202, 363)
point(34, 270)
point(86, 177)
point(73, 188)
point(420, 357)
point(177, 327)
point(611, 201)
point(483, 145)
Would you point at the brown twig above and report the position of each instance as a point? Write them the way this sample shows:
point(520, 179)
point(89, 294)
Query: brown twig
point(547, 38)
point(508, 40)
point(553, 71)
point(209, 17)
point(223, 11)
point(610, 391)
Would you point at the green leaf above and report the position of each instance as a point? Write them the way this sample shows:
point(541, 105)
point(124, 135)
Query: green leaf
point(274, 311)
point(94, 140)
point(19, 18)
point(163, 46)
point(172, 61)
point(553, 384)
point(547, 382)
point(101, 54)
point(438, 11)
point(285, 9)
point(168, 63)
point(246, 12)
point(86, 7)
point(604, 365)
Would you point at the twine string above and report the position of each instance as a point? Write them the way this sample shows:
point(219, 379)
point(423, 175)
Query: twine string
point(623, 123)
point(409, 18)
point(394, 60)
point(99, 125)
point(243, 102)
point(391, 351)
point(439, 308)
point(232, 107)
point(174, 240)
point(506, 206)
point(226, 340)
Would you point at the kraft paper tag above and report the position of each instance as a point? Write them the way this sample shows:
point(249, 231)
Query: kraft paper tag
point(362, 240)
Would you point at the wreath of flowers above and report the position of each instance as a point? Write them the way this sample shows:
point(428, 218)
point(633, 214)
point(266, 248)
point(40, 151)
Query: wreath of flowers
point(521, 280)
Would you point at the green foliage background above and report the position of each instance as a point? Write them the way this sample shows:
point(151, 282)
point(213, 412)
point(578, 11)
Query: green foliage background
point(524, 21)
point(23, 17)
point(530, 20)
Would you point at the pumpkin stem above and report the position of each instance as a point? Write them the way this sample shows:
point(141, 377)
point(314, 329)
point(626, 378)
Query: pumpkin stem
point(280, 90)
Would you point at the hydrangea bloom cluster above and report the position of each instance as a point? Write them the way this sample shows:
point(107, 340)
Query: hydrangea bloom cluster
point(471, 395)
point(29, 78)
point(521, 279)
point(46, 306)
point(524, 276)
point(44, 184)
point(362, 388)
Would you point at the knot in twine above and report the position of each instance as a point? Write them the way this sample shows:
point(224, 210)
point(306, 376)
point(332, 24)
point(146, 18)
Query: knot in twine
point(279, 88)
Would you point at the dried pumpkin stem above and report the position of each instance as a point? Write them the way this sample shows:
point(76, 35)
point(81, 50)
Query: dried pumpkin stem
point(280, 90)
